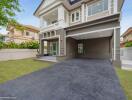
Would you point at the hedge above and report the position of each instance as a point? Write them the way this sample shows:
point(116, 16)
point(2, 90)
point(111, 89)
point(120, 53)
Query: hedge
point(128, 44)
point(23, 45)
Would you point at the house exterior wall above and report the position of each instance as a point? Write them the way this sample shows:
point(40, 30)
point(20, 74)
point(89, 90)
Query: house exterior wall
point(71, 48)
point(127, 37)
point(19, 36)
point(107, 19)
point(104, 25)
point(96, 48)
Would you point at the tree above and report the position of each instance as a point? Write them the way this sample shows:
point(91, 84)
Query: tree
point(8, 9)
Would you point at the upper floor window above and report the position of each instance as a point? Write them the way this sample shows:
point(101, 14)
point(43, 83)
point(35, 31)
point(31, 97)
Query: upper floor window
point(27, 33)
point(75, 16)
point(97, 7)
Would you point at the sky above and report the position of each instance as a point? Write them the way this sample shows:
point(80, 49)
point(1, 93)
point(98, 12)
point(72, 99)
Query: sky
point(29, 6)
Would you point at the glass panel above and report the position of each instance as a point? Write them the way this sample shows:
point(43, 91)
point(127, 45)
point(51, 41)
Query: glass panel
point(80, 48)
point(73, 17)
point(97, 7)
point(105, 4)
point(77, 16)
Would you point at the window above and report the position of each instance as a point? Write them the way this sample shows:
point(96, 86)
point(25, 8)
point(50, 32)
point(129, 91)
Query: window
point(97, 7)
point(75, 16)
point(80, 48)
point(27, 33)
point(44, 35)
point(52, 33)
point(48, 34)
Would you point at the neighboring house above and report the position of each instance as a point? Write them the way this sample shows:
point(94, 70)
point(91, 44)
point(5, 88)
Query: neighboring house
point(18, 36)
point(4, 38)
point(80, 28)
point(127, 37)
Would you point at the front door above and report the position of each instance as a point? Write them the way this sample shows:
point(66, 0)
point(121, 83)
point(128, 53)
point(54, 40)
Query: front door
point(54, 48)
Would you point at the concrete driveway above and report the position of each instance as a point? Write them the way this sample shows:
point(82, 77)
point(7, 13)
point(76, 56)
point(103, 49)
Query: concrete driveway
point(75, 79)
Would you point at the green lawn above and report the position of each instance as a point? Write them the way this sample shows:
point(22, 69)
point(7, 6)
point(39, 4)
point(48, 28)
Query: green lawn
point(10, 70)
point(126, 81)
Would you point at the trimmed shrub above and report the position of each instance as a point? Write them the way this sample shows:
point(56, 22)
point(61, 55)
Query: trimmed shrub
point(1, 45)
point(128, 44)
point(11, 45)
point(23, 45)
point(32, 45)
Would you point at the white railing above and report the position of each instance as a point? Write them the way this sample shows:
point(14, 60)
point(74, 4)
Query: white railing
point(57, 25)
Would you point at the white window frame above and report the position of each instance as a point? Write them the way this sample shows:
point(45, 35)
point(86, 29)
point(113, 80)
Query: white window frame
point(75, 17)
point(87, 8)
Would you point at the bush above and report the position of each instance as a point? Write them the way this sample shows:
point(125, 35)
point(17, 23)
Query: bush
point(128, 44)
point(11, 45)
point(23, 45)
point(32, 45)
point(1, 45)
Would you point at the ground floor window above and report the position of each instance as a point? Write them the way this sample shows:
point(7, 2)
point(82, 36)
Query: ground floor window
point(80, 48)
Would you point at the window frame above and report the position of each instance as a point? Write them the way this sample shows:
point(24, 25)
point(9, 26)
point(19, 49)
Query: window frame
point(95, 3)
point(28, 33)
point(75, 16)
point(80, 48)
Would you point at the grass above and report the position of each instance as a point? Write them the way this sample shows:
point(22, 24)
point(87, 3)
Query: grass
point(126, 81)
point(10, 70)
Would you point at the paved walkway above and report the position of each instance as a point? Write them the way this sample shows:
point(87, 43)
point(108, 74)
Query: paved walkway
point(70, 80)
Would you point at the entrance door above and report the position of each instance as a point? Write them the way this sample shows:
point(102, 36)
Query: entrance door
point(80, 49)
point(54, 48)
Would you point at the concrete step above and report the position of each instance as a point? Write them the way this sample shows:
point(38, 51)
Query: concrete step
point(48, 58)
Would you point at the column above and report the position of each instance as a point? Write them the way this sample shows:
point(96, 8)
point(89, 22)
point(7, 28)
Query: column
point(116, 55)
point(43, 22)
point(41, 47)
point(61, 15)
point(83, 12)
point(115, 6)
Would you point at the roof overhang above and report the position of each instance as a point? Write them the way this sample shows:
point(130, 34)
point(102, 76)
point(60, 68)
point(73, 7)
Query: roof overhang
point(38, 7)
point(102, 33)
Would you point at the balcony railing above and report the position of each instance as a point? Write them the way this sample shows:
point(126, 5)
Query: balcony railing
point(55, 26)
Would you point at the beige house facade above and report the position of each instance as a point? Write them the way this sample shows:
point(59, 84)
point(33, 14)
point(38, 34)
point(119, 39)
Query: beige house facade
point(127, 36)
point(18, 36)
point(80, 29)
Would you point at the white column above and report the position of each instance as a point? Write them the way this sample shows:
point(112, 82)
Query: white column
point(83, 12)
point(61, 15)
point(115, 6)
point(43, 22)
point(114, 44)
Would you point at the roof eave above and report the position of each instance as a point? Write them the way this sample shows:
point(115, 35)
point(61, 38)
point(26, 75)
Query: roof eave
point(35, 13)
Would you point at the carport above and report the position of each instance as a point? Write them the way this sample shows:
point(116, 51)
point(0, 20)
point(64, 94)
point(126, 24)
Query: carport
point(98, 39)
point(94, 44)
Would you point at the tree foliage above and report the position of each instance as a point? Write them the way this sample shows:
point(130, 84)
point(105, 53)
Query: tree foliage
point(8, 9)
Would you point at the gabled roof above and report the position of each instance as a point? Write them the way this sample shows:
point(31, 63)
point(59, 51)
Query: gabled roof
point(129, 31)
point(39, 6)
point(71, 2)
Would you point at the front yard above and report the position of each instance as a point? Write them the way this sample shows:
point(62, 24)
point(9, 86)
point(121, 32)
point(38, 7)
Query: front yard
point(10, 70)
point(126, 81)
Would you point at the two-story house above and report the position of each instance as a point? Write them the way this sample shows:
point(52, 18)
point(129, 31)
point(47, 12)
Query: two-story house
point(127, 37)
point(28, 33)
point(80, 28)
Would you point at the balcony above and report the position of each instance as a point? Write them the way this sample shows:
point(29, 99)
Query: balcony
point(55, 19)
point(57, 25)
